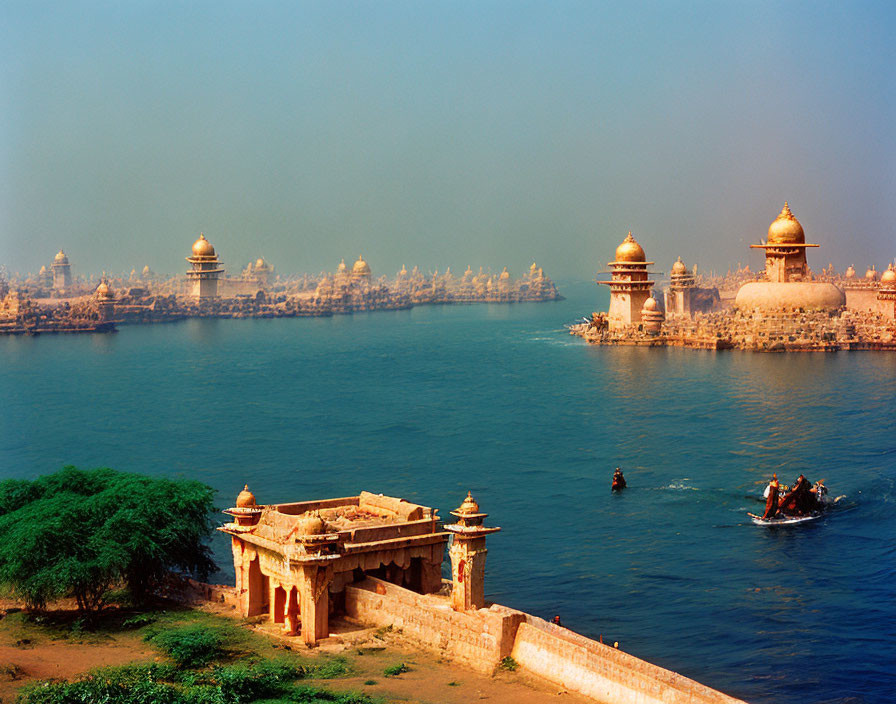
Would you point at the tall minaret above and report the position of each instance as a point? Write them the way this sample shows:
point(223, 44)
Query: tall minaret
point(62, 272)
point(629, 284)
point(206, 269)
point(467, 553)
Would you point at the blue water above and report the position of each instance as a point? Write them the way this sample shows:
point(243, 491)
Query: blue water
point(431, 402)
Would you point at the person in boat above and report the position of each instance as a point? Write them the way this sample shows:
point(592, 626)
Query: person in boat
point(799, 501)
point(618, 480)
point(771, 498)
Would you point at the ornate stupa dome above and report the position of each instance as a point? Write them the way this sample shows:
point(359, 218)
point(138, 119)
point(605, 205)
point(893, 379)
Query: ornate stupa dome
point(245, 499)
point(404, 271)
point(786, 229)
point(630, 251)
point(361, 268)
point(341, 268)
point(850, 272)
point(202, 247)
point(649, 304)
point(504, 274)
point(261, 263)
point(889, 277)
point(60, 258)
point(871, 274)
point(469, 505)
point(679, 267)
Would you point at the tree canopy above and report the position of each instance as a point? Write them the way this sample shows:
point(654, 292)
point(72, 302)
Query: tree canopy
point(79, 533)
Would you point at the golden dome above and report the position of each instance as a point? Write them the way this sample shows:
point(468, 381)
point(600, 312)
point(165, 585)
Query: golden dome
point(679, 267)
point(404, 271)
point(850, 272)
point(202, 247)
point(246, 498)
point(103, 290)
point(341, 268)
point(361, 267)
point(505, 274)
point(630, 250)
point(468, 506)
point(649, 304)
point(871, 274)
point(147, 271)
point(786, 229)
point(533, 267)
point(43, 270)
point(60, 258)
point(260, 263)
point(889, 276)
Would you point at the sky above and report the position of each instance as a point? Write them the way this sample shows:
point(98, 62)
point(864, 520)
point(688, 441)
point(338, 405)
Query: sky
point(443, 133)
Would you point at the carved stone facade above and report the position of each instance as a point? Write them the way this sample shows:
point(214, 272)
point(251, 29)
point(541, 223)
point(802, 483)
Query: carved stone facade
point(293, 561)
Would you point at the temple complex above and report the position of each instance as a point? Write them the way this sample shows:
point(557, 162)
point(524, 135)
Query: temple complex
point(785, 307)
point(206, 270)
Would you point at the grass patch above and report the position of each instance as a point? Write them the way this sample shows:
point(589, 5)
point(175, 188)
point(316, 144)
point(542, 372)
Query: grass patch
point(332, 668)
point(396, 670)
point(273, 680)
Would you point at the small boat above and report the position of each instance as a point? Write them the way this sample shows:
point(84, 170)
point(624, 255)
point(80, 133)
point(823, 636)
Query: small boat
point(783, 520)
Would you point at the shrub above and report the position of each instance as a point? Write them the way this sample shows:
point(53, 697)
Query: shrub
point(239, 684)
point(189, 646)
point(508, 664)
point(396, 670)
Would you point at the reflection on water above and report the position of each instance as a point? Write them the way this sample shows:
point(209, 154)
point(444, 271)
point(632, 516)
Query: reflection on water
point(431, 402)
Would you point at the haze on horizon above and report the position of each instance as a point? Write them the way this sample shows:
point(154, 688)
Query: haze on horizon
point(443, 133)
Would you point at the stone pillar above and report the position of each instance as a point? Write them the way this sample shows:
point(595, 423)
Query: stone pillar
point(467, 553)
point(467, 572)
point(314, 596)
point(291, 610)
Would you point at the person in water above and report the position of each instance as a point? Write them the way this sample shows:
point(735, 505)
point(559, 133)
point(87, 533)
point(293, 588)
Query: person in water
point(771, 498)
point(618, 480)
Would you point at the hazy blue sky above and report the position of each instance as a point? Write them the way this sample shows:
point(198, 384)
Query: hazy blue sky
point(443, 133)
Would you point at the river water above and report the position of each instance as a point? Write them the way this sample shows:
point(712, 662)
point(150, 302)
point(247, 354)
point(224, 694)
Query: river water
point(498, 399)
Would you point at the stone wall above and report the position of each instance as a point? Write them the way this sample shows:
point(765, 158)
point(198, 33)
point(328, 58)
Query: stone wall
point(604, 673)
point(478, 639)
point(481, 639)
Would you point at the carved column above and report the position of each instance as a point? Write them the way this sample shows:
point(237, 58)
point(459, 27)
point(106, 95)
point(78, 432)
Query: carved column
point(467, 553)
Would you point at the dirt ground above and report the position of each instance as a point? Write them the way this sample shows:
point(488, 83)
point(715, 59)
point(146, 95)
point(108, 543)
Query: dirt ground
point(30, 652)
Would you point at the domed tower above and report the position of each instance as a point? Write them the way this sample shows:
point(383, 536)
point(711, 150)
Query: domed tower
point(206, 270)
point(785, 249)
point(45, 277)
point(681, 288)
point(871, 274)
point(629, 284)
point(467, 553)
point(850, 272)
point(361, 271)
point(62, 273)
point(105, 300)
point(652, 317)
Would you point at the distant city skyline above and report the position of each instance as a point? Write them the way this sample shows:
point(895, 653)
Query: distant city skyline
point(443, 134)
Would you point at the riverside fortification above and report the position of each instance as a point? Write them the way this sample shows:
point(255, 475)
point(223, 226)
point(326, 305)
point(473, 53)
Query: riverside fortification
point(784, 308)
point(377, 560)
point(58, 302)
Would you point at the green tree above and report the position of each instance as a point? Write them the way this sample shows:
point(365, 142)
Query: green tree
point(78, 533)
